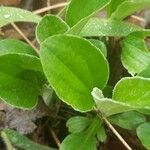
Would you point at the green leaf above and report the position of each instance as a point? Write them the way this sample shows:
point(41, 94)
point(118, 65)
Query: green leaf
point(143, 133)
point(113, 6)
point(135, 55)
point(145, 73)
point(85, 9)
point(18, 92)
point(50, 25)
point(101, 134)
point(10, 15)
point(21, 141)
point(107, 106)
point(99, 44)
point(128, 120)
point(15, 46)
point(132, 6)
point(79, 141)
point(78, 124)
point(76, 67)
point(21, 74)
point(82, 141)
point(133, 91)
point(96, 27)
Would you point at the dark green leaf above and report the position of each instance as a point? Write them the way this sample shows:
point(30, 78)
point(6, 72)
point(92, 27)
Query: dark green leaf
point(78, 124)
point(101, 134)
point(143, 133)
point(128, 120)
point(21, 141)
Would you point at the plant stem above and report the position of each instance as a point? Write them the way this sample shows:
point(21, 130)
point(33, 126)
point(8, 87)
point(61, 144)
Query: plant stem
point(114, 130)
point(39, 11)
point(24, 37)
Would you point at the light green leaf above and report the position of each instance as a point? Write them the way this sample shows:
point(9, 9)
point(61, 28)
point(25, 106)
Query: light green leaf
point(85, 9)
point(107, 106)
point(128, 120)
point(21, 141)
point(133, 91)
point(50, 25)
point(11, 14)
point(143, 133)
point(99, 44)
point(96, 27)
point(82, 141)
point(135, 55)
point(76, 67)
point(78, 124)
point(132, 6)
point(101, 134)
point(113, 6)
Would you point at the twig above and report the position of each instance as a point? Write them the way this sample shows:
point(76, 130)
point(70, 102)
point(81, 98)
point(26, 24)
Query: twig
point(138, 18)
point(114, 131)
point(24, 37)
point(55, 137)
point(39, 11)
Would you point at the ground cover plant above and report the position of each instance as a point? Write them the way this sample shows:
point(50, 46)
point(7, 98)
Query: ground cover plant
point(98, 67)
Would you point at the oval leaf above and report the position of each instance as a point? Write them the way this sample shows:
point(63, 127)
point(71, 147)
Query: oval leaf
point(143, 133)
point(133, 5)
point(133, 91)
point(73, 67)
point(85, 9)
point(50, 25)
point(10, 15)
point(135, 55)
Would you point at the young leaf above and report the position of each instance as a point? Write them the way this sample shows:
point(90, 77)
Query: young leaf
point(143, 133)
point(99, 45)
point(128, 120)
point(10, 15)
point(132, 6)
point(101, 133)
point(135, 54)
point(133, 91)
point(85, 9)
point(78, 124)
point(50, 25)
point(76, 67)
point(107, 106)
point(96, 27)
point(79, 141)
point(21, 141)
point(113, 6)
point(82, 141)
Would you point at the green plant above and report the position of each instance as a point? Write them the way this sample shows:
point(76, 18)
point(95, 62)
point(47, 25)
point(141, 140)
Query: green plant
point(73, 58)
